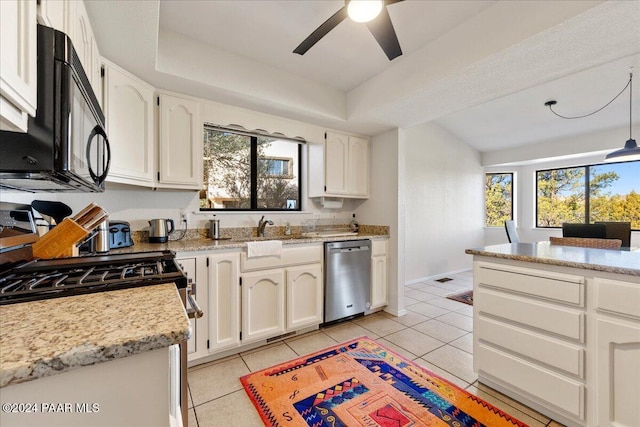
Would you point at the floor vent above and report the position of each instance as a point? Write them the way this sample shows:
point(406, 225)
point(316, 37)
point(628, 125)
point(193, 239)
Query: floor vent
point(279, 337)
point(444, 279)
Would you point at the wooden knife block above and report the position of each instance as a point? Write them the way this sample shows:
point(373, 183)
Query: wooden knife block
point(60, 241)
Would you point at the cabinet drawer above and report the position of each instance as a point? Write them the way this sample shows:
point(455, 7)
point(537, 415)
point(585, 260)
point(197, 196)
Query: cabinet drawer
point(289, 256)
point(564, 394)
point(379, 247)
point(566, 357)
point(555, 286)
point(558, 320)
point(618, 297)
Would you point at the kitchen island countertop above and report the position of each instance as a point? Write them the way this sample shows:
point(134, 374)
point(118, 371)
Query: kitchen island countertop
point(612, 261)
point(47, 337)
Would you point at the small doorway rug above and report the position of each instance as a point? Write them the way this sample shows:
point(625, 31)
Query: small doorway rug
point(462, 296)
point(362, 383)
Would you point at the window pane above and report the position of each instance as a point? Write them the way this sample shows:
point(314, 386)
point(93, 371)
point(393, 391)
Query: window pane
point(614, 191)
point(278, 181)
point(561, 196)
point(227, 171)
point(498, 199)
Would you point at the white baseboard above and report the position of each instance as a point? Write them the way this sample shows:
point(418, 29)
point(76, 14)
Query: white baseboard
point(396, 313)
point(434, 277)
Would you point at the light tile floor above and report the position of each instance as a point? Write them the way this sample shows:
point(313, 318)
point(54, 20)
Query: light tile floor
point(436, 333)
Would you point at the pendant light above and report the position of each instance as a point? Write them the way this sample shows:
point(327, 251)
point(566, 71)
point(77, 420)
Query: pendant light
point(631, 151)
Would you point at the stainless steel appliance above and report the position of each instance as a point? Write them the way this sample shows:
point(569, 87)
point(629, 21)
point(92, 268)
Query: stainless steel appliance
point(65, 147)
point(160, 229)
point(347, 285)
point(100, 240)
point(119, 235)
point(214, 228)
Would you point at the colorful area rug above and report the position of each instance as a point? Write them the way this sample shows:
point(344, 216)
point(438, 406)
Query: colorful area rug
point(362, 383)
point(463, 296)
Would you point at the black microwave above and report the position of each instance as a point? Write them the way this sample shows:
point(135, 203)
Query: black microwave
point(65, 147)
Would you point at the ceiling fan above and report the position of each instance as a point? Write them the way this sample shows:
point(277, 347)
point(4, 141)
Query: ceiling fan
point(371, 12)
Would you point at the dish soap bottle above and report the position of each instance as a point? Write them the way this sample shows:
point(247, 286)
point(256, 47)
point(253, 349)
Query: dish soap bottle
point(353, 225)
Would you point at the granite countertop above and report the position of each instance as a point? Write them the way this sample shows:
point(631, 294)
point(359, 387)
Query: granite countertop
point(206, 244)
point(47, 337)
point(611, 261)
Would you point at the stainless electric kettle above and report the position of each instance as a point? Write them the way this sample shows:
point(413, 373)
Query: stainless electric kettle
point(160, 229)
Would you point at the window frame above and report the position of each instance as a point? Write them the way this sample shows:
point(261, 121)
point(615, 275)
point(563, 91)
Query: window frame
point(254, 171)
point(513, 197)
point(587, 190)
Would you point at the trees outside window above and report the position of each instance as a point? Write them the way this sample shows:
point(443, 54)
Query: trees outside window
point(498, 199)
point(250, 172)
point(586, 194)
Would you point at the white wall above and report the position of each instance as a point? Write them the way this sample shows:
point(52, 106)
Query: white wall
point(383, 208)
point(444, 211)
point(526, 160)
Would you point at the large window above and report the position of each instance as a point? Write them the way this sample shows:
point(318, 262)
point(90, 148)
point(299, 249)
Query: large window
point(250, 172)
point(498, 199)
point(586, 194)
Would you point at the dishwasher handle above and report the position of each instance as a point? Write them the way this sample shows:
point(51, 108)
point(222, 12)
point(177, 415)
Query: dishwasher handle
point(348, 250)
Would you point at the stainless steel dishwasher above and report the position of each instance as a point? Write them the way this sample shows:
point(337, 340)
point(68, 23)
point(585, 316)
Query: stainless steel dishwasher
point(347, 284)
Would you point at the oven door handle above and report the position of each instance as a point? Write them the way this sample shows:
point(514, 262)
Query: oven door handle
point(193, 311)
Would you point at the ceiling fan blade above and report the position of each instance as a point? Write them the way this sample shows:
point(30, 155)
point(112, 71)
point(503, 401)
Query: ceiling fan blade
point(382, 29)
point(388, 2)
point(321, 31)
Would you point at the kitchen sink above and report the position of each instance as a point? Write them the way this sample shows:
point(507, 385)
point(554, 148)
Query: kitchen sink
point(261, 239)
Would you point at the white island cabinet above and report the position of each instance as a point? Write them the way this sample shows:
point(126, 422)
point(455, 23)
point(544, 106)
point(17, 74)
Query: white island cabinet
point(131, 391)
point(98, 359)
point(559, 334)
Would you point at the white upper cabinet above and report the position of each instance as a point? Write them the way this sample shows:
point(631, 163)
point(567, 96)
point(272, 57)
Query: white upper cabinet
point(129, 111)
point(358, 167)
point(70, 17)
point(336, 163)
point(340, 167)
point(180, 143)
point(56, 14)
point(18, 73)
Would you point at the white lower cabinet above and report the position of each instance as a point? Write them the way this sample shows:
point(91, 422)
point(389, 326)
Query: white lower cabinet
point(263, 310)
point(618, 353)
point(224, 302)
point(562, 340)
point(379, 273)
point(304, 296)
point(281, 300)
point(249, 300)
point(530, 333)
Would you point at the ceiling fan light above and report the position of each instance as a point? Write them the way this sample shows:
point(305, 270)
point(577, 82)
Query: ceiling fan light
point(631, 151)
point(364, 10)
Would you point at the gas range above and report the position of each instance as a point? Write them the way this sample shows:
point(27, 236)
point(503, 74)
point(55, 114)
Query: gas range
point(61, 277)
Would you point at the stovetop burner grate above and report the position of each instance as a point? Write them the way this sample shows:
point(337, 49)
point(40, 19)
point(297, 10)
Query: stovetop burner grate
point(43, 279)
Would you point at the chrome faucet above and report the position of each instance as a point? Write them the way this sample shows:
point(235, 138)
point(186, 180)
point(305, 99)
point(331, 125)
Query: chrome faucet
point(262, 224)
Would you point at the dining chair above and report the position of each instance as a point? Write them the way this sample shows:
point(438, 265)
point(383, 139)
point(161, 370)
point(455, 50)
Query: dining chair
point(618, 230)
point(512, 232)
point(596, 231)
point(586, 242)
